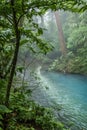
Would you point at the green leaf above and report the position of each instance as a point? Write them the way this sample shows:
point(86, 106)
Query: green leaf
point(40, 31)
point(20, 69)
point(4, 109)
point(1, 128)
point(24, 41)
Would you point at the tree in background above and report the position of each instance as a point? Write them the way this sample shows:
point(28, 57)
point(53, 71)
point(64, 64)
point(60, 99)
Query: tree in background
point(60, 34)
point(75, 32)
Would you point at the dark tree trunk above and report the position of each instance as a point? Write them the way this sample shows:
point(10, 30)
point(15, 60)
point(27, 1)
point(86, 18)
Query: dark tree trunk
point(14, 61)
point(60, 34)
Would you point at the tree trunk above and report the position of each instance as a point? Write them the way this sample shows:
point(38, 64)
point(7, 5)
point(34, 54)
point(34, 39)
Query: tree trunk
point(14, 61)
point(60, 34)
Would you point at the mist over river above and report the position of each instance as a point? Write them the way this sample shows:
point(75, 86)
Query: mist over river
point(68, 91)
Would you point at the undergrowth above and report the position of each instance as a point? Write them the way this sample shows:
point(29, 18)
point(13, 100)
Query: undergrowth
point(25, 114)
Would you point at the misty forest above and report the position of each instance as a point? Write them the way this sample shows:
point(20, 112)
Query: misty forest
point(43, 64)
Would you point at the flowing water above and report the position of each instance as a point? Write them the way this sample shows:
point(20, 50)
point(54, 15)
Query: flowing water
point(68, 90)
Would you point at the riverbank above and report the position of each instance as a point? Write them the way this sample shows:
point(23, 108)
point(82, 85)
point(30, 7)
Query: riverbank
point(48, 68)
point(62, 90)
point(71, 65)
point(56, 91)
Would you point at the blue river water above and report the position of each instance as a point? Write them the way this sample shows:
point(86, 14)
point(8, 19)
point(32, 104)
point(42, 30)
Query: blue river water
point(70, 91)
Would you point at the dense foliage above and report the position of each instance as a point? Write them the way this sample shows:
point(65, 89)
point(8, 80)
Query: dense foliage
point(19, 29)
point(24, 114)
point(75, 32)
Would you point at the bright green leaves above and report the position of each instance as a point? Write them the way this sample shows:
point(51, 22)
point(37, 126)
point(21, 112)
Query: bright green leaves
point(34, 42)
point(24, 41)
point(72, 5)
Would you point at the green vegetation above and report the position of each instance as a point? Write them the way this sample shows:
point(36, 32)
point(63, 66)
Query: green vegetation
point(20, 33)
point(26, 115)
point(75, 61)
